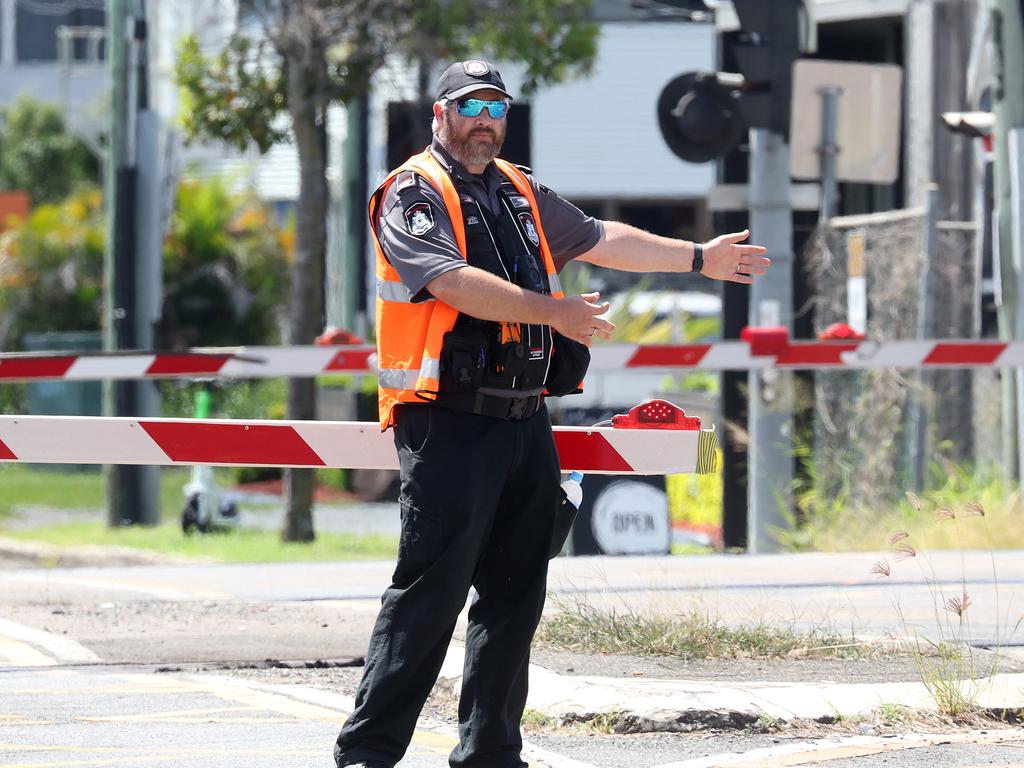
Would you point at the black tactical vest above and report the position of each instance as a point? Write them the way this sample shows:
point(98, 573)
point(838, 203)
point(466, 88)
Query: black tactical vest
point(509, 359)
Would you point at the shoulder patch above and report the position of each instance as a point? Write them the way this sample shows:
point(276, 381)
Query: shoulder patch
point(526, 220)
point(419, 218)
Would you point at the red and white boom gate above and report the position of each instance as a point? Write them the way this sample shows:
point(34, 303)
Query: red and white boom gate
point(675, 447)
point(765, 348)
point(357, 445)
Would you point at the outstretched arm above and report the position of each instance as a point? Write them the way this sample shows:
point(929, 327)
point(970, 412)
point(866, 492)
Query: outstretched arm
point(632, 250)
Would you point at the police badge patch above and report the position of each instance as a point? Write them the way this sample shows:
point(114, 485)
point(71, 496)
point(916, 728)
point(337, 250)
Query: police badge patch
point(419, 219)
point(526, 219)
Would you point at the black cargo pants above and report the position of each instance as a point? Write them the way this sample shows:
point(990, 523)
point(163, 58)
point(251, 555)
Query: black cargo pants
point(477, 502)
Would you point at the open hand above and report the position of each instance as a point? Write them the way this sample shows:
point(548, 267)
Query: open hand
point(726, 259)
point(578, 318)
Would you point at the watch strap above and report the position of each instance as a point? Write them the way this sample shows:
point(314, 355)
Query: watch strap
point(698, 258)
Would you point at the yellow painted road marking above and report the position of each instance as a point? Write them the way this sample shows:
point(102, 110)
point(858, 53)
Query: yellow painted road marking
point(270, 700)
point(17, 654)
point(179, 716)
point(129, 756)
point(15, 719)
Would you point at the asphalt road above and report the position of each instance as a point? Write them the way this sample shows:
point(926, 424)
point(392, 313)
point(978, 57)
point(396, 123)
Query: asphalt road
point(139, 666)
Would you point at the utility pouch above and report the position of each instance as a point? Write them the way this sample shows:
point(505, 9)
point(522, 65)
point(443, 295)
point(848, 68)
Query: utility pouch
point(565, 516)
point(463, 362)
point(512, 357)
point(569, 363)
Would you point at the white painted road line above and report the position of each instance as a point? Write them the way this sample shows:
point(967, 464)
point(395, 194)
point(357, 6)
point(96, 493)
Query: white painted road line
point(58, 649)
point(823, 750)
point(107, 585)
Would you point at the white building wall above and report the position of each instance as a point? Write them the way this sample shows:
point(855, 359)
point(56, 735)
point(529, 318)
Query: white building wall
point(595, 137)
point(599, 137)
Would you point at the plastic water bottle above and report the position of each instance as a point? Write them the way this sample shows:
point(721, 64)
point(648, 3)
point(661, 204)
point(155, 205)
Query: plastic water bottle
point(573, 490)
point(565, 515)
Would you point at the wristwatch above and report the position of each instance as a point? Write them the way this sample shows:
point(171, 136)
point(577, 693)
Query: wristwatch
point(698, 258)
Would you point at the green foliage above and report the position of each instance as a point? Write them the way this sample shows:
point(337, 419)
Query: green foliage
point(51, 269)
point(554, 39)
point(237, 96)
point(826, 520)
point(39, 156)
point(225, 270)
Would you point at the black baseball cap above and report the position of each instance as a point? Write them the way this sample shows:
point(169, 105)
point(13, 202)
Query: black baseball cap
point(464, 77)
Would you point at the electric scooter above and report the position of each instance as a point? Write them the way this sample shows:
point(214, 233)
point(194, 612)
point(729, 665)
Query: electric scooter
point(206, 509)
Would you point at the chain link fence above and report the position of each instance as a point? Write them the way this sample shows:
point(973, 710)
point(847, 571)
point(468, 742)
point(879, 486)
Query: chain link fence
point(864, 441)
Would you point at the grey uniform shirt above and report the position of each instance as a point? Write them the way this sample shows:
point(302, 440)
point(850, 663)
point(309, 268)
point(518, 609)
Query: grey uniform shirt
point(418, 259)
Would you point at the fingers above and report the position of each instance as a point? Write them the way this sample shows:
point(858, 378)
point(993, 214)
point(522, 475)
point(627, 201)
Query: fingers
point(736, 237)
point(751, 249)
point(751, 269)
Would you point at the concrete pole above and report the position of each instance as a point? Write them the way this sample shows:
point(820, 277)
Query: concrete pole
point(132, 491)
point(8, 33)
point(771, 304)
point(828, 151)
point(1015, 146)
point(918, 431)
point(1008, 106)
point(356, 183)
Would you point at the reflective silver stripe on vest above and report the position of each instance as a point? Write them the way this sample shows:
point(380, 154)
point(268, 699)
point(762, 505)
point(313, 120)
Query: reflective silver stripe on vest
point(397, 378)
point(401, 378)
point(389, 291)
point(554, 283)
point(430, 369)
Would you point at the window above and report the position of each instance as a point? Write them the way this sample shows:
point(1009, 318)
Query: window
point(37, 21)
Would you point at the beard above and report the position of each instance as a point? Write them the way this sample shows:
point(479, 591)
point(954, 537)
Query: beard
point(472, 145)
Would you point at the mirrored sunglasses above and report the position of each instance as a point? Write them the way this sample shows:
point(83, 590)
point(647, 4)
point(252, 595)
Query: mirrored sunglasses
point(473, 107)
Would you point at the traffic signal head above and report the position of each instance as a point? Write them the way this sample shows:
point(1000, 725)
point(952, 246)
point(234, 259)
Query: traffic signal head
point(772, 36)
point(698, 117)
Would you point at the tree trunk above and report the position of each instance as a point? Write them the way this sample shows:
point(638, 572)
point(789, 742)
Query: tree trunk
point(306, 304)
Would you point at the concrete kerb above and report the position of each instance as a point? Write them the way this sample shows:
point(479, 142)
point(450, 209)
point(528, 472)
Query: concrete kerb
point(31, 554)
point(645, 705)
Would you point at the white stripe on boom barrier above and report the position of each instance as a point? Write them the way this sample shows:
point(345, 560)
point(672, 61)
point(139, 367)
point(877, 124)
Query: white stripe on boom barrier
point(355, 445)
point(270, 362)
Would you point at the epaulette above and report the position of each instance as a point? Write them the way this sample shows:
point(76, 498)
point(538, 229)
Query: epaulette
point(405, 180)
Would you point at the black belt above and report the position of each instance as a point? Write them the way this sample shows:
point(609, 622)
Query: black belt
point(491, 405)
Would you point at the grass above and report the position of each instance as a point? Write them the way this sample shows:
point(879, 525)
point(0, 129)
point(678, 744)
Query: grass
point(950, 668)
point(837, 523)
point(694, 635)
point(240, 546)
point(22, 488)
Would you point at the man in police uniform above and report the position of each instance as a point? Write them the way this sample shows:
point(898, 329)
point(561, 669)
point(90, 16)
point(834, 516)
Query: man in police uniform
point(469, 316)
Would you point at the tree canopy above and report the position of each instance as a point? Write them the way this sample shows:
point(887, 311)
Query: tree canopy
point(39, 156)
point(239, 94)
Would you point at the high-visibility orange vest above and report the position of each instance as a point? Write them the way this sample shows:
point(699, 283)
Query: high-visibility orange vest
point(409, 335)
